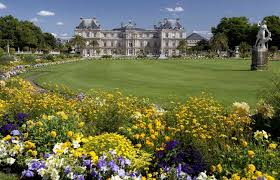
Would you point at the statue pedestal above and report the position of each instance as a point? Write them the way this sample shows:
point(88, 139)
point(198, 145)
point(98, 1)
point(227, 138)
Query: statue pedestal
point(259, 59)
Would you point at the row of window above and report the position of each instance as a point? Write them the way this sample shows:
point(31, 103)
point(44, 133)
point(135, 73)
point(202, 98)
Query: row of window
point(115, 35)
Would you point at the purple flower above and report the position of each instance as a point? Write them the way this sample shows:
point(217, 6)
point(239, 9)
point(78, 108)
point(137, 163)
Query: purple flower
point(179, 170)
point(7, 128)
point(171, 145)
point(15, 133)
point(27, 173)
point(121, 173)
point(67, 170)
point(113, 166)
point(35, 165)
point(101, 164)
point(87, 163)
point(127, 162)
point(121, 161)
point(21, 117)
point(80, 177)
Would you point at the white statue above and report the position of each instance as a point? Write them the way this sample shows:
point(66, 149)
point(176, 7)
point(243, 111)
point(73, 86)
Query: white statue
point(262, 40)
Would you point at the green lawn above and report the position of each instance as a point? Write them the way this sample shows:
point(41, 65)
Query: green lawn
point(163, 80)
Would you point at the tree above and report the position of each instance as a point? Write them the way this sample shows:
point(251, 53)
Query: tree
point(182, 47)
point(202, 45)
point(244, 49)
point(273, 24)
point(236, 29)
point(273, 50)
point(219, 42)
point(78, 42)
point(94, 44)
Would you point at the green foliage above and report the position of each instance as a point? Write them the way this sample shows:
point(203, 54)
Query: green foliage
point(236, 30)
point(182, 47)
point(203, 45)
point(1, 52)
point(79, 42)
point(6, 59)
point(49, 57)
point(219, 42)
point(23, 34)
point(107, 56)
point(29, 58)
point(273, 25)
point(244, 49)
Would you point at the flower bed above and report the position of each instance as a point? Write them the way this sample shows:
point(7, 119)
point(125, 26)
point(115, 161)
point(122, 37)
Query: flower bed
point(56, 135)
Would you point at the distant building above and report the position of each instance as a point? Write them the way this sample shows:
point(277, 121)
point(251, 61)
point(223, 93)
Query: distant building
point(130, 40)
point(194, 39)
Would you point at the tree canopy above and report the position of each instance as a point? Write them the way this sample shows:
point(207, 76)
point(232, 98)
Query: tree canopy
point(239, 29)
point(22, 34)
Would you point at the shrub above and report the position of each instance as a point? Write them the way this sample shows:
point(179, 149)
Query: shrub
point(29, 58)
point(12, 50)
point(1, 52)
point(107, 56)
point(49, 57)
point(6, 59)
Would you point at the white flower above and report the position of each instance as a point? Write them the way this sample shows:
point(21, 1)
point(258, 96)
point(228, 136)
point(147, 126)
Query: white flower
point(76, 144)
point(10, 161)
point(116, 177)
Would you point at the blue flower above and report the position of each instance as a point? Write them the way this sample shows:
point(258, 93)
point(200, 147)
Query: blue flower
point(27, 173)
point(67, 170)
point(101, 164)
point(87, 163)
point(113, 166)
point(121, 161)
point(35, 165)
point(15, 133)
point(80, 177)
point(121, 173)
point(127, 162)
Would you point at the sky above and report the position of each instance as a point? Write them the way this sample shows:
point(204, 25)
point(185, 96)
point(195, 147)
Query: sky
point(60, 17)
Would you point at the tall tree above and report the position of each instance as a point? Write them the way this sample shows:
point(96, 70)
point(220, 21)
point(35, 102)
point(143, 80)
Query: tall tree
point(78, 42)
point(273, 24)
point(219, 42)
point(236, 29)
point(182, 46)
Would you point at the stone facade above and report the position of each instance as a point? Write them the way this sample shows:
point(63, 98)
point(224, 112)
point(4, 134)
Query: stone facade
point(130, 40)
point(194, 39)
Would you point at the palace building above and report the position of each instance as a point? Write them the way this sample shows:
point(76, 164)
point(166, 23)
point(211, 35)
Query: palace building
point(130, 40)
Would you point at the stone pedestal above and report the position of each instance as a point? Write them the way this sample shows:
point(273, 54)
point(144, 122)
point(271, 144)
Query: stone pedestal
point(259, 59)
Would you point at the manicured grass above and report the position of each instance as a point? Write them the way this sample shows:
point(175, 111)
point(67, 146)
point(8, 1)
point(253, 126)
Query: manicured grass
point(163, 80)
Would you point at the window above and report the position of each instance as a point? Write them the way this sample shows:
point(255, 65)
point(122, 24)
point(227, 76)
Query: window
point(130, 51)
point(105, 44)
point(174, 44)
point(130, 44)
point(166, 35)
point(105, 51)
point(88, 34)
point(166, 43)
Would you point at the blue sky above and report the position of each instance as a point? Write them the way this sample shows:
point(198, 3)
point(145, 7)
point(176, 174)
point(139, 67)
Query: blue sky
point(61, 16)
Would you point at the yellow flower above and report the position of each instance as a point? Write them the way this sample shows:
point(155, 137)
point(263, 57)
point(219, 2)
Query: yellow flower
point(219, 168)
point(213, 168)
point(258, 173)
point(7, 138)
point(93, 156)
point(39, 123)
point(269, 177)
point(251, 154)
point(70, 134)
point(244, 143)
point(34, 153)
point(53, 134)
point(81, 124)
point(138, 145)
point(251, 168)
point(29, 145)
point(167, 138)
point(235, 177)
point(272, 146)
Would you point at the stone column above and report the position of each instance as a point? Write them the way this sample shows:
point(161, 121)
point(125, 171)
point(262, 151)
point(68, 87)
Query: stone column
point(259, 58)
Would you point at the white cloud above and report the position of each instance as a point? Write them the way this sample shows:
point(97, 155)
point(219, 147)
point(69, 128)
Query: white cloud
point(60, 23)
point(64, 34)
point(34, 20)
point(45, 13)
point(176, 9)
point(2, 6)
point(55, 35)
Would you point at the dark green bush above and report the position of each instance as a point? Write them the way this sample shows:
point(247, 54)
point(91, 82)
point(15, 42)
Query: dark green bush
point(29, 58)
point(107, 56)
point(48, 57)
point(6, 59)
